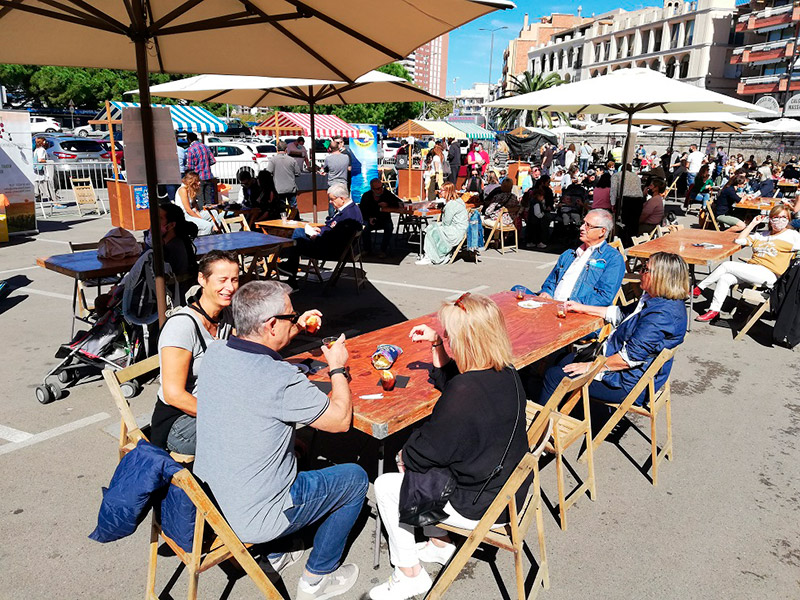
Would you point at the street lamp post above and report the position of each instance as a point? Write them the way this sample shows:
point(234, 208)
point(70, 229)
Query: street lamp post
point(491, 49)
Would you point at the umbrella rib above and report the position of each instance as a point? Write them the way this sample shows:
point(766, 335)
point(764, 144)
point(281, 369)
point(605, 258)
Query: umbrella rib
point(84, 20)
point(310, 50)
point(174, 14)
point(156, 45)
point(239, 19)
point(305, 9)
point(91, 12)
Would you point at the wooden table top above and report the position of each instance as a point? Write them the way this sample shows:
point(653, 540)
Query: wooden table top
point(681, 243)
point(277, 225)
point(534, 333)
point(85, 264)
point(757, 203)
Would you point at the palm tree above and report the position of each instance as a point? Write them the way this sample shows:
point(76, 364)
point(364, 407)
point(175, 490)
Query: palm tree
point(525, 83)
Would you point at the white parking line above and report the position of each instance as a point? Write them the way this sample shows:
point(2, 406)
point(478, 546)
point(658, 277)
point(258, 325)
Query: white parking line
point(41, 239)
point(28, 290)
point(547, 265)
point(55, 432)
point(416, 287)
point(17, 270)
point(13, 435)
point(509, 259)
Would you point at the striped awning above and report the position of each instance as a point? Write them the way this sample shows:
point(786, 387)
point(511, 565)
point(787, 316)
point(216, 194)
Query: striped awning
point(473, 131)
point(325, 126)
point(184, 118)
point(409, 128)
point(443, 129)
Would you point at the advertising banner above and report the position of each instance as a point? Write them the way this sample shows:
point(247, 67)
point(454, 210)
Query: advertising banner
point(16, 172)
point(364, 159)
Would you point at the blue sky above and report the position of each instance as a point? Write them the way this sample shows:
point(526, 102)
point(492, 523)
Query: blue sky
point(468, 57)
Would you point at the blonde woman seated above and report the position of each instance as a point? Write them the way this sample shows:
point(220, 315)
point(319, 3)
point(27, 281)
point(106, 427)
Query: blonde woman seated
point(772, 252)
point(186, 198)
point(442, 237)
point(480, 415)
point(505, 198)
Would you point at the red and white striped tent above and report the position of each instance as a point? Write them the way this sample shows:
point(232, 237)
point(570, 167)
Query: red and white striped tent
point(287, 123)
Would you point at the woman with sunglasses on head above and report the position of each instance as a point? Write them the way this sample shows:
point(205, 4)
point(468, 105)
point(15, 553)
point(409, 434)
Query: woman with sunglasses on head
point(477, 424)
point(772, 252)
point(442, 237)
point(181, 346)
point(656, 322)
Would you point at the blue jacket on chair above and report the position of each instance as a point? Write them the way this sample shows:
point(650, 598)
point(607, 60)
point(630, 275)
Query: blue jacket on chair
point(600, 280)
point(660, 324)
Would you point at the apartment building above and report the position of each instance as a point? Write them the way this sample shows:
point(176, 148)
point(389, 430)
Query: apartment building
point(766, 54)
point(689, 41)
point(427, 66)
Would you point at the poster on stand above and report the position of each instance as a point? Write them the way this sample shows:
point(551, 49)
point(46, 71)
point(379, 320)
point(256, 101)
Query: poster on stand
point(166, 149)
point(16, 172)
point(364, 162)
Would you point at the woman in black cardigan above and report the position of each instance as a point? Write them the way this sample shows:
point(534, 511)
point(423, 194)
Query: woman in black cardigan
point(481, 413)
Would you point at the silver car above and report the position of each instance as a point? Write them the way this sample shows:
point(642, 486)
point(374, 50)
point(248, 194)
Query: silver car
point(79, 158)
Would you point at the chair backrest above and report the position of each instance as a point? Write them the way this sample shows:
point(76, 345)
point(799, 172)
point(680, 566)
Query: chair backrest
point(130, 433)
point(648, 378)
point(80, 246)
point(83, 190)
point(565, 393)
point(226, 223)
point(617, 243)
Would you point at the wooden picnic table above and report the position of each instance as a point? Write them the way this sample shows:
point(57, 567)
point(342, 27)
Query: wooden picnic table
point(283, 228)
point(757, 203)
point(682, 243)
point(534, 333)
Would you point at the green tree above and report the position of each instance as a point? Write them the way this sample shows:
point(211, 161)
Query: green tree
point(439, 110)
point(509, 118)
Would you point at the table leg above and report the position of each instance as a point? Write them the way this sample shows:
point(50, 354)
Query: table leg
point(691, 297)
point(74, 306)
point(376, 562)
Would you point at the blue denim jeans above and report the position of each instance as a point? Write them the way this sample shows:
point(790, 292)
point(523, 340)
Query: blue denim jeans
point(597, 389)
point(335, 494)
point(583, 165)
point(795, 223)
point(690, 177)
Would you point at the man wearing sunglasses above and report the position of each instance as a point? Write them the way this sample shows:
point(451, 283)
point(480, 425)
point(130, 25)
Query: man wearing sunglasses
point(591, 274)
point(251, 402)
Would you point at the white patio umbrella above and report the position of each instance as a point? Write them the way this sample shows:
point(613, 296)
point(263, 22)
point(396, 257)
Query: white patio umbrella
point(629, 91)
point(715, 122)
point(251, 91)
point(304, 38)
point(783, 125)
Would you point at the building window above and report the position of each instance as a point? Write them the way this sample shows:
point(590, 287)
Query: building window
point(654, 64)
point(598, 51)
point(670, 72)
point(774, 69)
point(645, 41)
point(607, 50)
point(619, 47)
point(673, 41)
point(689, 33)
point(684, 72)
point(630, 45)
point(657, 35)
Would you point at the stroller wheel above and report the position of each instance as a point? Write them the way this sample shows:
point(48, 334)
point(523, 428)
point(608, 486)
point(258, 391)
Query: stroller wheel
point(44, 394)
point(66, 376)
point(130, 388)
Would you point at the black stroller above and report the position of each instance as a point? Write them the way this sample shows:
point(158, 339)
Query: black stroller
point(117, 339)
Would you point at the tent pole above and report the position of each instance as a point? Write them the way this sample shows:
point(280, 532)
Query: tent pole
point(313, 155)
point(702, 132)
point(672, 138)
point(621, 190)
point(149, 147)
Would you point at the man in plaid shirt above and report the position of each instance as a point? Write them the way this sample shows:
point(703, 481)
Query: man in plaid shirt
point(200, 159)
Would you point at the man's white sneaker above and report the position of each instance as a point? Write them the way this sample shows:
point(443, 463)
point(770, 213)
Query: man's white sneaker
point(400, 586)
point(431, 553)
point(333, 584)
point(423, 261)
point(285, 560)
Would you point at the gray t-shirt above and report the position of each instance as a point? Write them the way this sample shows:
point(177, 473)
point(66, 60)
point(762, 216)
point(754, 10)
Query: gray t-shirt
point(336, 165)
point(284, 170)
point(179, 332)
point(248, 402)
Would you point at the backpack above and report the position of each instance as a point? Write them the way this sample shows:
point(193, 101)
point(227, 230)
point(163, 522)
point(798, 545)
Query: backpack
point(117, 244)
point(446, 169)
point(139, 305)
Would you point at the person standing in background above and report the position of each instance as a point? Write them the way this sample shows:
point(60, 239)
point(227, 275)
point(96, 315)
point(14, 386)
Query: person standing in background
point(44, 180)
point(337, 164)
point(284, 170)
point(585, 156)
point(297, 151)
point(454, 158)
point(199, 159)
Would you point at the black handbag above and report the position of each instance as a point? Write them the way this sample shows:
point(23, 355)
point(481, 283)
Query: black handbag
point(423, 496)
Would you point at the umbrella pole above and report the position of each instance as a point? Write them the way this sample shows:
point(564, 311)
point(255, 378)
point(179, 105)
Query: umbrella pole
point(702, 132)
point(313, 157)
point(672, 139)
point(149, 147)
point(621, 190)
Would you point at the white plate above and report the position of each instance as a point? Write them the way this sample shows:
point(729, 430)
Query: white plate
point(529, 304)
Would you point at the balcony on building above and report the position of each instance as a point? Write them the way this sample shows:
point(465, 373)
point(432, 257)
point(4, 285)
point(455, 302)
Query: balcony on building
point(769, 18)
point(768, 84)
point(764, 53)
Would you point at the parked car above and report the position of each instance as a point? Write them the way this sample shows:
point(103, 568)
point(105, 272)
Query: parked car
point(238, 129)
point(84, 131)
point(78, 157)
point(44, 125)
point(390, 148)
point(119, 149)
point(231, 158)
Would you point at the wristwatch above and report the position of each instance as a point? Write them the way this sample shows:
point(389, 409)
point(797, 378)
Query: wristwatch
point(341, 370)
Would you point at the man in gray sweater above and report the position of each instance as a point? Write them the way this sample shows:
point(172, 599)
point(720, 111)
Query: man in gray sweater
point(284, 170)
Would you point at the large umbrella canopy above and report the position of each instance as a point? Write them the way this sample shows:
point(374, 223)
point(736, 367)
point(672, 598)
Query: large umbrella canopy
point(373, 87)
point(308, 38)
point(442, 129)
point(777, 126)
point(723, 122)
point(629, 91)
point(305, 38)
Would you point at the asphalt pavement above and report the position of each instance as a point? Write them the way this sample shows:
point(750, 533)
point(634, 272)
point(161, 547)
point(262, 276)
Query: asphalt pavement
point(722, 523)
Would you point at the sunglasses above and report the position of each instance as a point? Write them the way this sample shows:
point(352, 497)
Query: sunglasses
point(291, 317)
point(590, 226)
point(460, 302)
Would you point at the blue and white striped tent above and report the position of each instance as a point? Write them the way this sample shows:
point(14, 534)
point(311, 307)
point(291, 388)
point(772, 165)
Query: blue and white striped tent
point(184, 118)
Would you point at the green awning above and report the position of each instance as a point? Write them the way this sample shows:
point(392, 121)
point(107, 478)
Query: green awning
point(473, 131)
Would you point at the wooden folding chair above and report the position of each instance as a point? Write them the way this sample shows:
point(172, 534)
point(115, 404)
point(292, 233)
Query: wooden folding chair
point(759, 299)
point(511, 536)
point(500, 229)
point(655, 401)
point(351, 254)
point(85, 195)
point(673, 187)
point(122, 384)
point(707, 216)
point(567, 430)
point(457, 250)
point(629, 279)
point(228, 224)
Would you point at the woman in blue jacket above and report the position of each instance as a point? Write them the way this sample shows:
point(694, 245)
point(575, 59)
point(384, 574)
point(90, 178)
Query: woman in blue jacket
point(657, 322)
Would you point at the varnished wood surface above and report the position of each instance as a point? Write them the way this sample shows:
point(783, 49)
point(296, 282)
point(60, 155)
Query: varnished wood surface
point(279, 228)
point(757, 203)
point(534, 333)
point(86, 265)
point(681, 243)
